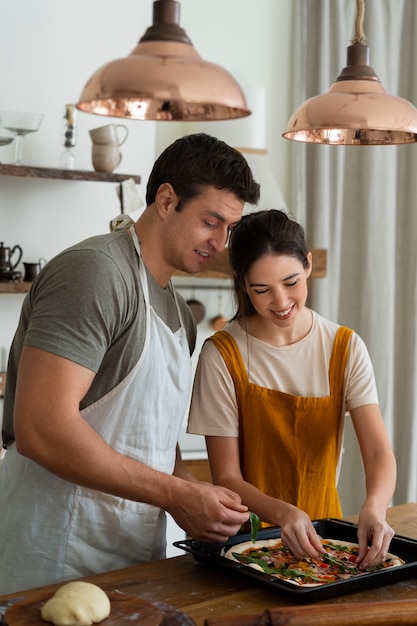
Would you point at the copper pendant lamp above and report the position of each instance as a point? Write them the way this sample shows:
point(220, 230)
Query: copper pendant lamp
point(164, 78)
point(356, 110)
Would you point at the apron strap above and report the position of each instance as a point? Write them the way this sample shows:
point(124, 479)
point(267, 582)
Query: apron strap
point(338, 359)
point(232, 357)
point(231, 354)
point(144, 278)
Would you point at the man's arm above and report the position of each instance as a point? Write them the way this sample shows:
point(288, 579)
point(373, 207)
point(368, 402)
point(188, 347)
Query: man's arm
point(50, 430)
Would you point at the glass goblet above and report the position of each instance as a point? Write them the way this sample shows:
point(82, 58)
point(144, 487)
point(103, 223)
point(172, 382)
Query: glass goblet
point(20, 124)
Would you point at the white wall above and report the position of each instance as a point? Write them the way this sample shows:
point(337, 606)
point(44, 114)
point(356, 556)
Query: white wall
point(48, 50)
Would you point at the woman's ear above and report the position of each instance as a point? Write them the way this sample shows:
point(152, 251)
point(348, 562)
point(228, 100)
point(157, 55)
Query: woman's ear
point(309, 269)
point(165, 199)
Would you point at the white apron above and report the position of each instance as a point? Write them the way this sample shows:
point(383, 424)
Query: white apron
point(74, 531)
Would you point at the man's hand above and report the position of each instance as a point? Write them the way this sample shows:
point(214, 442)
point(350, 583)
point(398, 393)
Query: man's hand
point(208, 512)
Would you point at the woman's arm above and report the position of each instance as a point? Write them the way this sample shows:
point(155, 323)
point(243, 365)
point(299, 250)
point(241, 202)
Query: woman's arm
point(380, 471)
point(298, 533)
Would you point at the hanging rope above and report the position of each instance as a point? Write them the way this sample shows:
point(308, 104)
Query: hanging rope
point(359, 33)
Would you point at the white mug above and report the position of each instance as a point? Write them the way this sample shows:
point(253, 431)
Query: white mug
point(105, 157)
point(108, 135)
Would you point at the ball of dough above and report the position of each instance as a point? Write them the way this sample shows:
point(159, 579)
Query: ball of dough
point(76, 604)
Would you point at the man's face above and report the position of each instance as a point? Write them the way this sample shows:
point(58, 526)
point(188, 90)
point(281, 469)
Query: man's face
point(201, 228)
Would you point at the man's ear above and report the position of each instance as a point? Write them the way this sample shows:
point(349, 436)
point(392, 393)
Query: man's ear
point(165, 199)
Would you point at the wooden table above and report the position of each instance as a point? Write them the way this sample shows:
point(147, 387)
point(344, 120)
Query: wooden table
point(202, 592)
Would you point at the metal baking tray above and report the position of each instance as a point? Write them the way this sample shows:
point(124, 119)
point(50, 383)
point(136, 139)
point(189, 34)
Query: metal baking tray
point(404, 547)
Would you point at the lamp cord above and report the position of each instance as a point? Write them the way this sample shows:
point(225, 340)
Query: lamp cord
point(359, 32)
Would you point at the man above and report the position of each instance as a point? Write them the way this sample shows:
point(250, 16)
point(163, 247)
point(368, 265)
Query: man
point(98, 383)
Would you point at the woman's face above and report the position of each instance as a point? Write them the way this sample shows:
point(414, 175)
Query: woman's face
point(277, 287)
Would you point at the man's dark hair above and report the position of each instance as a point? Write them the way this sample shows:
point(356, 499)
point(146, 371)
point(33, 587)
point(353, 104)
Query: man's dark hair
point(200, 160)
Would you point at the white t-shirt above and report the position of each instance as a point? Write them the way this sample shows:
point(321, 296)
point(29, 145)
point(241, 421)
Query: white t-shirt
point(300, 369)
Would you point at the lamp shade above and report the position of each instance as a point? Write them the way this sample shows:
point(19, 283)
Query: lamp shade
point(164, 78)
point(356, 110)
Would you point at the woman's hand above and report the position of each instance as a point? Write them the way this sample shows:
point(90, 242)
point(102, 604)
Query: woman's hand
point(373, 529)
point(298, 533)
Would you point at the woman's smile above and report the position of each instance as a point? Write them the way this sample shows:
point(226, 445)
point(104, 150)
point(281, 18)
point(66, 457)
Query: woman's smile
point(283, 314)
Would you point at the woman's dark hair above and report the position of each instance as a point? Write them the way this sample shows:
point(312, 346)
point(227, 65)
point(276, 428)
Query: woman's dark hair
point(257, 234)
point(197, 161)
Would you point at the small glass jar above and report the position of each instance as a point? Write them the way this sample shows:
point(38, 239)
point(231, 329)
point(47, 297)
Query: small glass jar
point(67, 158)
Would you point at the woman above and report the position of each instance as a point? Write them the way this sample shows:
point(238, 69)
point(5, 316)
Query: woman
point(272, 389)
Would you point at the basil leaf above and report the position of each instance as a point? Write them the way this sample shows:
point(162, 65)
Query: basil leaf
point(343, 566)
point(298, 573)
point(274, 571)
point(254, 525)
point(243, 558)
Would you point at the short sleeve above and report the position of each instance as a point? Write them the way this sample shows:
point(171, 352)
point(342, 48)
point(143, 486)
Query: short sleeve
point(360, 378)
point(78, 305)
point(213, 409)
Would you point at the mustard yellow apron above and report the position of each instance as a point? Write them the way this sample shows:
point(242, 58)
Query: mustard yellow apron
point(290, 445)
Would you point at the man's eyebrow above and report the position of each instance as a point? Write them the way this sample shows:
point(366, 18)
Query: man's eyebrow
point(216, 215)
point(221, 217)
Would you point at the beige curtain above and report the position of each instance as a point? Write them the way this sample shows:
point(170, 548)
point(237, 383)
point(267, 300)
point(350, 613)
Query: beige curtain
point(361, 204)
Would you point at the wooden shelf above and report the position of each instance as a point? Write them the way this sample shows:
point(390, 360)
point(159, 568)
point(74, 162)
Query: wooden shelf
point(219, 266)
point(28, 171)
point(14, 286)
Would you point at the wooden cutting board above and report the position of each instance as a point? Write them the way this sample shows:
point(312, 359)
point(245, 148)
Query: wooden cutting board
point(125, 610)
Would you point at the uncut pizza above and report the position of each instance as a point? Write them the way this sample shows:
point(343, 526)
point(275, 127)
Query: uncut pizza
point(338, 562)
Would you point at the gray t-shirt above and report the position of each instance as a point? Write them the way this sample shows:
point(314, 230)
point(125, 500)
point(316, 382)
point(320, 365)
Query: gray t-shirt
point(87, 306)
